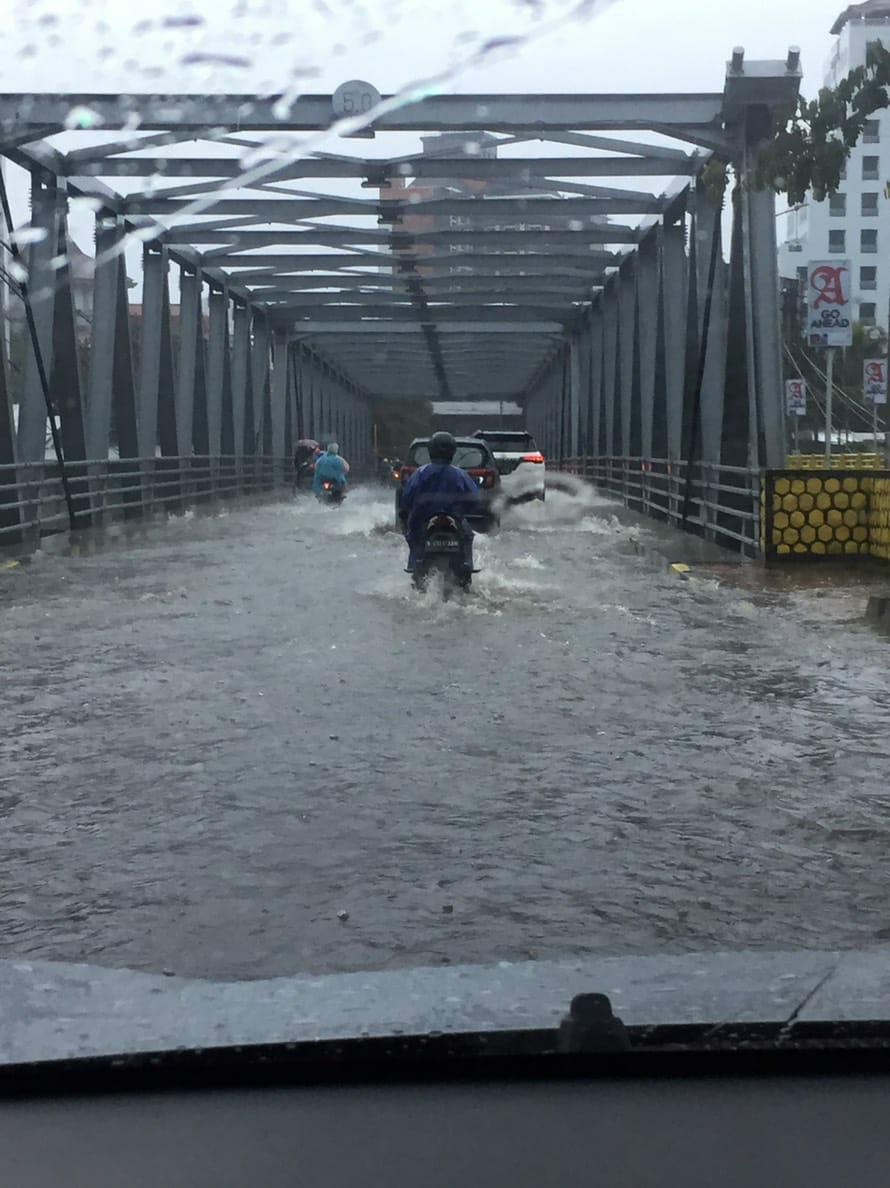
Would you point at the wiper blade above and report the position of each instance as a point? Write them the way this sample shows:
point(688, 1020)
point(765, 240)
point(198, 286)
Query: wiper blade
point(601, 1047)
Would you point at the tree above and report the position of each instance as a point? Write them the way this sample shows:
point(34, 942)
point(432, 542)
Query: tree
point(810, 151)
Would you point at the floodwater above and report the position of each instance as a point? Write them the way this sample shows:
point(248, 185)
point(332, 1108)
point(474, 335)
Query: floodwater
point(241, 746)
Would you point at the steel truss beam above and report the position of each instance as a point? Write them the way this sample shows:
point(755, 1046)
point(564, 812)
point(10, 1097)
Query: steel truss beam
point(655, 163)
point(328, 288)
point(252, 113)
point(601, 341)
point(313, 326)
point(348, 281)
point(482, 313)
point(504, 297)
point(233, 241)
point(283, 210)
point(285, 263)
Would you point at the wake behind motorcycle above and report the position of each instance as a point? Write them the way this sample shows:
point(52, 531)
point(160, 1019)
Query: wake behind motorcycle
point(442, 551)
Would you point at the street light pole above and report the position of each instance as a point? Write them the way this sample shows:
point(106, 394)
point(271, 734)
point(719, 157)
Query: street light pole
point(829, 395)
point(887, 356)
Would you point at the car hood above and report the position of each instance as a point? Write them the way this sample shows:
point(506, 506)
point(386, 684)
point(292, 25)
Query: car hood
point(51, 1011)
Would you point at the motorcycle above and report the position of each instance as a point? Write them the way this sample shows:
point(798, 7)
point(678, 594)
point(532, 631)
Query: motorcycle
point(331, 493)
point(442, 551)
point(393, 476)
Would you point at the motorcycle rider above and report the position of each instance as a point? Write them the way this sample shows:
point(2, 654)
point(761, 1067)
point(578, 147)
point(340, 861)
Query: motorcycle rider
point(303, 457)
point(384, 470)
point(438, 488)
point(330, 467)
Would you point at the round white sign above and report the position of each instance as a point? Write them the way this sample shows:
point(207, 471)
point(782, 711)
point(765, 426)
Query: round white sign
point(354, 98)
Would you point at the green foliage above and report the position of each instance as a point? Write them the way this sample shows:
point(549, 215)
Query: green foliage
point(809, 153)
point(715, 179)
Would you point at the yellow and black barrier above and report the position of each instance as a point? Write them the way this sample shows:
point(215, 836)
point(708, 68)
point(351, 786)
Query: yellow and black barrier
point(879, 516)
point(839, 461)
point(813, 514)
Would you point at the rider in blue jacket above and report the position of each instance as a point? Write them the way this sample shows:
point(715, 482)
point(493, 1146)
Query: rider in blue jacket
point(439, 489)
point(330, 467)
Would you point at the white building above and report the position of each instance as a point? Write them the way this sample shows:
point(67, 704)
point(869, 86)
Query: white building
point(854, 223)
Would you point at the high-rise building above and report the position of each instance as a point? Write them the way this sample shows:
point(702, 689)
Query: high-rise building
point(854, 223)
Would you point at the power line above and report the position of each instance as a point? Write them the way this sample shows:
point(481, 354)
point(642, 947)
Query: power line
point(863, 411)
point(860, 409)
point(840, 391)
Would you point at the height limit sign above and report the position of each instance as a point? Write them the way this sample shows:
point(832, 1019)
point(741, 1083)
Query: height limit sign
point(829, 313)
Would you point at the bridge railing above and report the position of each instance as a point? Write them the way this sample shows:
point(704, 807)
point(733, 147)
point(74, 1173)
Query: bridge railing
point(32, 499)
point(721, 503)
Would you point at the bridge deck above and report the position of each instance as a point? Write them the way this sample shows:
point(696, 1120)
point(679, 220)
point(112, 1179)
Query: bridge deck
point(220, 735)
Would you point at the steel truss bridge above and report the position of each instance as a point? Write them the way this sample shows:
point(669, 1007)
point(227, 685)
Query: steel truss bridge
point(285, 287)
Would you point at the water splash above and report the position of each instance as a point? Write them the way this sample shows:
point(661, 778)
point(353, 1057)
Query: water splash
point(365, 514)
point(572, 505)
point(496, 588)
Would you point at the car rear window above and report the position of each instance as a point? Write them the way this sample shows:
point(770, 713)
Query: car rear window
point(511, 443)
point(467, 457)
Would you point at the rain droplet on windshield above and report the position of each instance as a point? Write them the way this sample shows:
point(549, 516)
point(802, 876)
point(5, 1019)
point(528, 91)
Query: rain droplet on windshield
point(83, 118)
point(207, 59)
point(183, 21)
point(25, 235)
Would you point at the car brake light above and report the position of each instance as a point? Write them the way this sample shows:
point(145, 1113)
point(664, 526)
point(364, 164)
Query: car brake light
point(485, 478)
point(532, 458)
point(406, 470)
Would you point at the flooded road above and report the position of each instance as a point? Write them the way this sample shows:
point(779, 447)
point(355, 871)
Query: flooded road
point(241, 746)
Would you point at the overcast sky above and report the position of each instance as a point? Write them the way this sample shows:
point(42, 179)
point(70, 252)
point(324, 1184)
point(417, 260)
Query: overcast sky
point(622, 45)
point(261, 46)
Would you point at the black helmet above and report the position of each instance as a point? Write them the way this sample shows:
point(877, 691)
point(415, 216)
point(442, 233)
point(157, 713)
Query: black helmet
point(442, 447)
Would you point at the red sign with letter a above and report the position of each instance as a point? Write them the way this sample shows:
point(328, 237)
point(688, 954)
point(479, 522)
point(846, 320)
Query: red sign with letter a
point(874, 380)
point(829, 315)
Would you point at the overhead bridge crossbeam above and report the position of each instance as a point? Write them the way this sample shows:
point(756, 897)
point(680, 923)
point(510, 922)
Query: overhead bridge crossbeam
point(517, 169)
point(196, 114)
point(273, 310)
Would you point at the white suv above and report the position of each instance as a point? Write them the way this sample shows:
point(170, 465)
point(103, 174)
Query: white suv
point(519, 461)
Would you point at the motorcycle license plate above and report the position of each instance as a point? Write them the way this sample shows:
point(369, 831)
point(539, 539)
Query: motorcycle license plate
point(443, 544)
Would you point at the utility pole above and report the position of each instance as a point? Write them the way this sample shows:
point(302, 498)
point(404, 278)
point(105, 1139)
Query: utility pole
point(887, 357)
point(829, 395)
